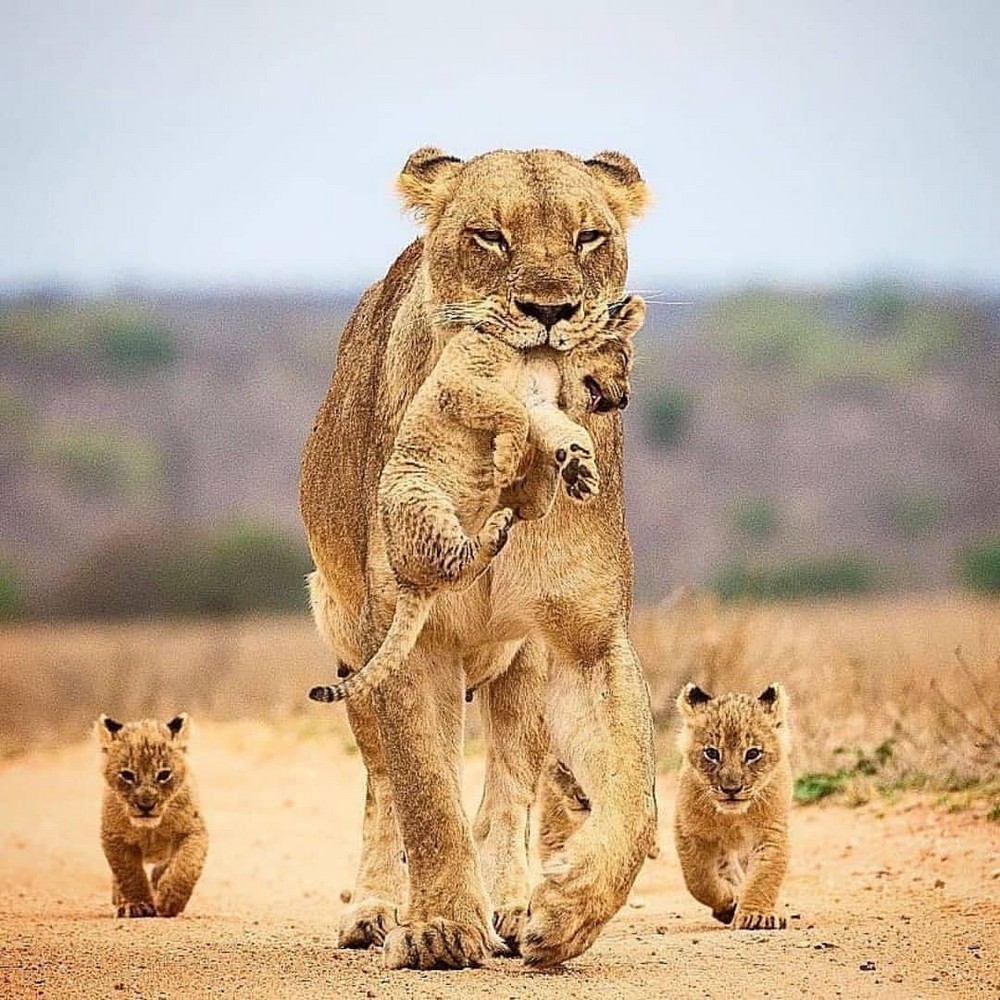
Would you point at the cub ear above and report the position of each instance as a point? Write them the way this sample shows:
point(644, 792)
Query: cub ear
point(623, 185)
point(426, 182)
point(774, 698)
point(691, 699)
point(107, 730)
point(180, 729)
point(631, 315)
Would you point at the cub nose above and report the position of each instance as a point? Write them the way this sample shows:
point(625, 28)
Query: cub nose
point(548, 315)
point(145, 808)
point(731, 790)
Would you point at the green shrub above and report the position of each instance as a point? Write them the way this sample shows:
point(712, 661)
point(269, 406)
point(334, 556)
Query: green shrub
point(818, 577)
point(11, 603)
point(667, 415)
point(915, 513)
point(755, 519)
point(134, 346)
point(99, 462)
point(245, 567)
point(979, 566)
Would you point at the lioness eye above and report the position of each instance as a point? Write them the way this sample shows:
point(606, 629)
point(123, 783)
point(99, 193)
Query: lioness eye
point(127, 776)
point(162, 776)
point(712, 754)
point(752, 754)
point(588, 237)
point(491, 238)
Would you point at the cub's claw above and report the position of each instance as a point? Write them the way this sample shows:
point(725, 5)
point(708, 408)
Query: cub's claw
point(135, 910)
point(754, 920)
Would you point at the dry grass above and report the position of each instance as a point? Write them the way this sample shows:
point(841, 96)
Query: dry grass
point(862, 675)
point(903, 689)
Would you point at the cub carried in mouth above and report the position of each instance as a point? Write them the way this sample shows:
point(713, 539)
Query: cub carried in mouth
point(455, 482)
point(150, 816)
point(731, 826)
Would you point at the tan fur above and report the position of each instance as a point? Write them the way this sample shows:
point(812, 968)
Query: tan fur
point(731, 827)
point(463, 440)
point(150, 816)
point(529, 248)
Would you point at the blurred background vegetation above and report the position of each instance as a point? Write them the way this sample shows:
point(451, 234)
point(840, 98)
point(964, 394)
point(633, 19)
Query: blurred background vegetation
point(783, 444)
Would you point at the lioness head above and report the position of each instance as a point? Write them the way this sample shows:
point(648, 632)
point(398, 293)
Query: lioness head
point(733, 743)
point(144, 764)
point(527, 246)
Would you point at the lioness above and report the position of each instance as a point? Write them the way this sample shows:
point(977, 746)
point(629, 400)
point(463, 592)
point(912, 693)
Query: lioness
point(461, 443)
point(534, 243)
point(731, 827)
point(150, 815)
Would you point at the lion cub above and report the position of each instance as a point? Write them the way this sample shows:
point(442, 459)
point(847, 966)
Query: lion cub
point(731, 827)
point(150, 815)
point(451, 487)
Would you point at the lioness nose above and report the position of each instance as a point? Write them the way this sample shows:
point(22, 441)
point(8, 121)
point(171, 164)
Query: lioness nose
point(548, 315)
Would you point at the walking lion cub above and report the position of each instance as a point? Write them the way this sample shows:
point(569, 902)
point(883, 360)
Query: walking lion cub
point(454, 482)
point(731, 826)
point(150, 815)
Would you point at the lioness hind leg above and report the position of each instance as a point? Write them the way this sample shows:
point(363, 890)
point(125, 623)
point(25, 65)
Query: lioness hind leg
point(512, 706)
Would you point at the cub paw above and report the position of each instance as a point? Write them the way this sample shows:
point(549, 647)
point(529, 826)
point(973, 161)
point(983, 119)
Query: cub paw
point(509, 923)
point(496, 530)
point(755, 920)
point(366, 924)
point(578, 471)
point(437, 944)
point(507, 455)
point(135, 910)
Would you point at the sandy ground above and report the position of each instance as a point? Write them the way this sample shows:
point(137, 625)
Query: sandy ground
point(898, 900)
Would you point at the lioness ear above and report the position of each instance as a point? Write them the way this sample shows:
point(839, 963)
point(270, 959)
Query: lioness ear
point(180, 729)
point(775, 699)
point(107, 730)
point(623, 185)
point(426, 182)
point(691, 699)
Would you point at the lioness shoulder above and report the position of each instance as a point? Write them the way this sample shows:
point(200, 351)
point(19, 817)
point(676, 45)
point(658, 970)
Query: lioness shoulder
point(731, 826)
point(150, 816)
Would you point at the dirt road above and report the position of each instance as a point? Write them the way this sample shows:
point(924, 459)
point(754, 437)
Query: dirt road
point(888, 901)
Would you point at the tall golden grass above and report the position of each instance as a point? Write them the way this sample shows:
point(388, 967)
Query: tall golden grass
point(917, 677)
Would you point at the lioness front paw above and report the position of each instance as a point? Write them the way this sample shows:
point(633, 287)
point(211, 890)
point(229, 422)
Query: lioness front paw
point(756, 920)
point(437, 944)
point(135, 910)
point(366, 924)
point(507, 455)
point(578, 471)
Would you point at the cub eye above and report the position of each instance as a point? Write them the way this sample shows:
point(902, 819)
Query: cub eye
point(163, 776)
point(753, 754)
point(492, 239)
point(589, 238)
point(712, 754)
point(127, 776)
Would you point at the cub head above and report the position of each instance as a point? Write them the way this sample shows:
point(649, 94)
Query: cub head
point(528, 247)
point(144, 764)
point(598, 368)
point(734, 743)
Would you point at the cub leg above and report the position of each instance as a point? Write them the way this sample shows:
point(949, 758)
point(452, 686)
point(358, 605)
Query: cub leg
point(768, 866)
point(572, 449)
point(485, 404)
point(130, 892)
point(701, 869)
point(175, 882)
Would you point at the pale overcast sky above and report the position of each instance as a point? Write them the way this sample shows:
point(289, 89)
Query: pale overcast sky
point(255, 143)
